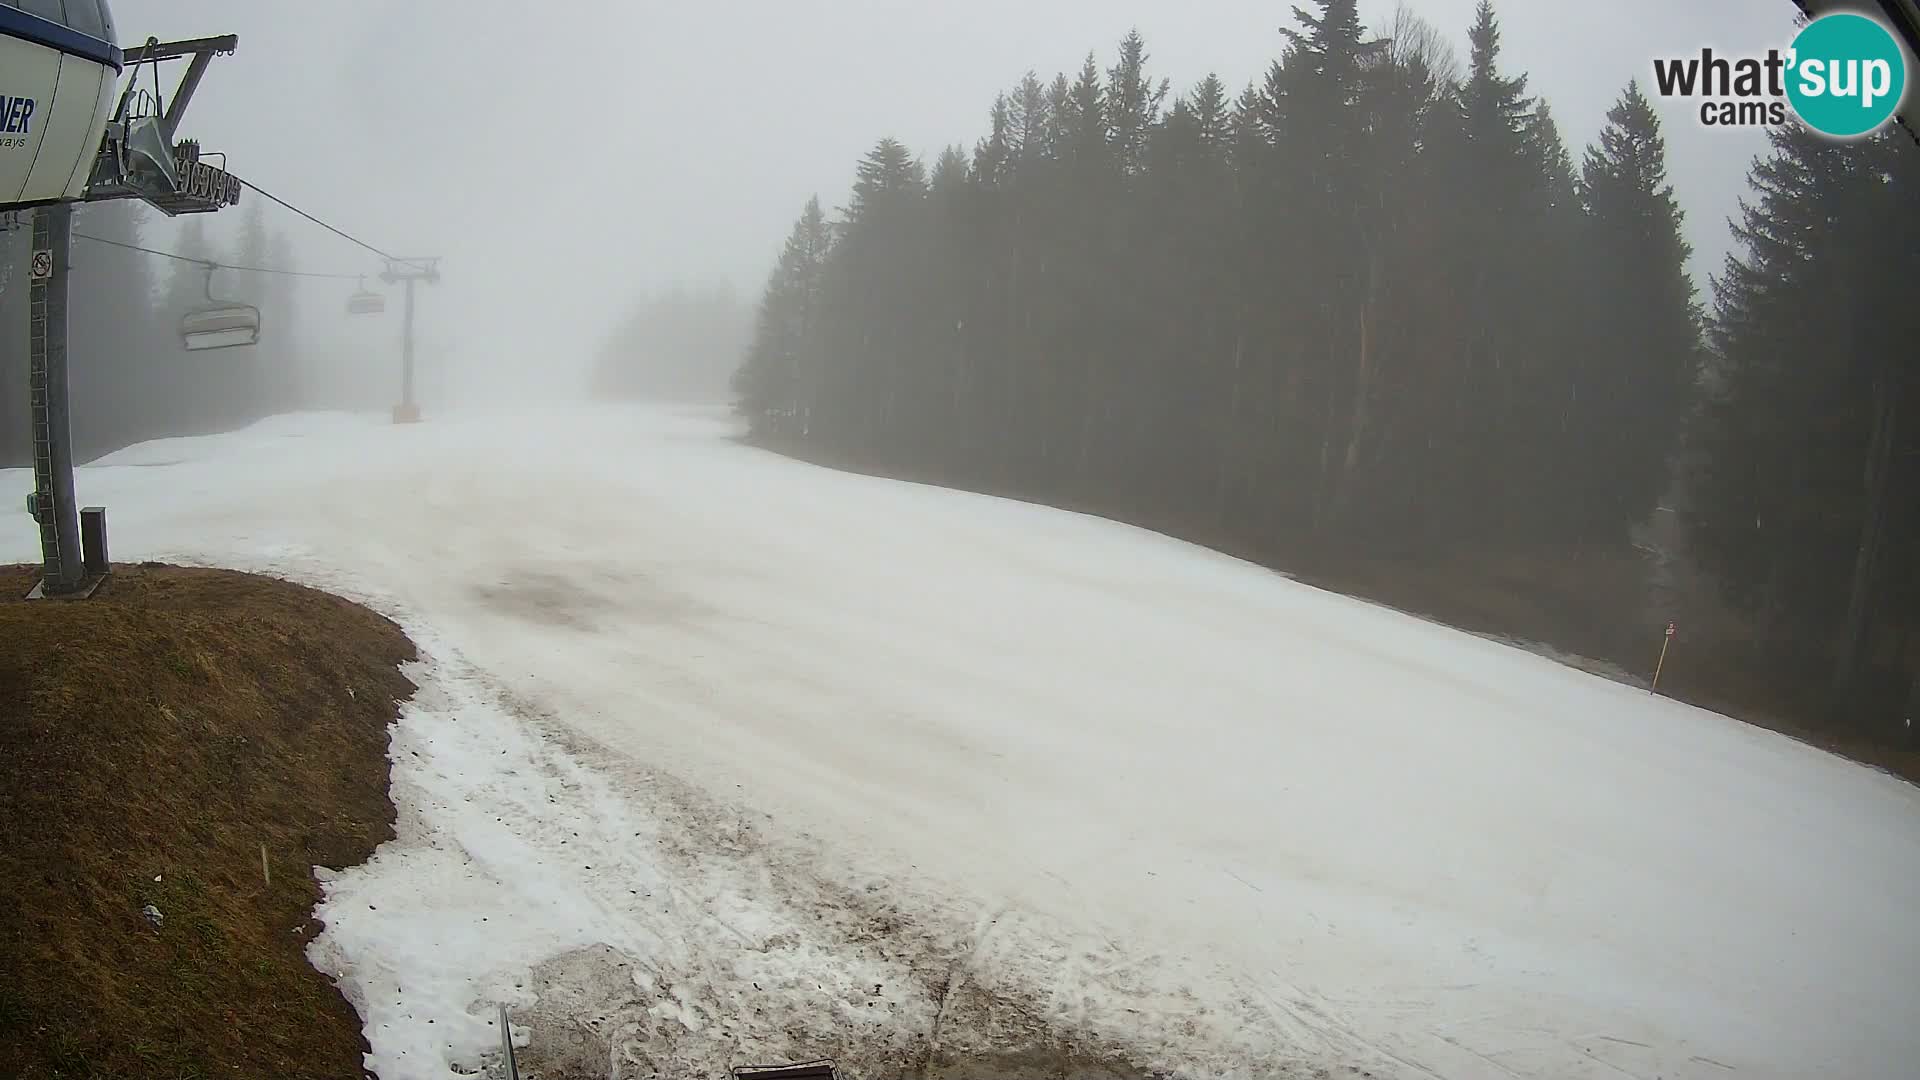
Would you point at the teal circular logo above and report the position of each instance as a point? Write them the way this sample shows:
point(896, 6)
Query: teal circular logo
point(1846, 75)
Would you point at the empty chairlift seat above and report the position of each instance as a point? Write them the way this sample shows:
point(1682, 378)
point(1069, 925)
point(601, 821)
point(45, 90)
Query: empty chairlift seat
point(220, 327)
point(365, 302)
point(221, 324)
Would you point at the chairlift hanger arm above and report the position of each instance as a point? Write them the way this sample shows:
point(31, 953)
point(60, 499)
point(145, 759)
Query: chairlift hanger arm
point(173, 50)
point(202, 50)
point(419, 269)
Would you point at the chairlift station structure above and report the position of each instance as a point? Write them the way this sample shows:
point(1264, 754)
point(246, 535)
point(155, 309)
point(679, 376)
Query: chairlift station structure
point(58, 70)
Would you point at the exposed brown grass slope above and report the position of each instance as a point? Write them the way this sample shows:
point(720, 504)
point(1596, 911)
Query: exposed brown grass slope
point(153, 738)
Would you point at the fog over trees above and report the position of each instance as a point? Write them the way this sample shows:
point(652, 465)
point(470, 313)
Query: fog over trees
point(678, 343)
point(1368, 317)
point(129, 377)
point(1372, 304)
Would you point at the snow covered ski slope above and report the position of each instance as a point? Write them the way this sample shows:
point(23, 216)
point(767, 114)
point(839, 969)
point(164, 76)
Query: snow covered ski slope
point(720, 758)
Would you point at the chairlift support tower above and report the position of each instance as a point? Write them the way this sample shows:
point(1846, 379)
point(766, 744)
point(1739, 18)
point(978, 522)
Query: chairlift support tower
point(409, 271)
point(66, 146)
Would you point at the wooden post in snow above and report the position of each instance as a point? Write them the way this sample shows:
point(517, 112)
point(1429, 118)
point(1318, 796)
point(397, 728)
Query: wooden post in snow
point(1668, 640)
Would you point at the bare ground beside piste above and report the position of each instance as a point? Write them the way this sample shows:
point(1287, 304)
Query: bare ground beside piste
point(156, 736)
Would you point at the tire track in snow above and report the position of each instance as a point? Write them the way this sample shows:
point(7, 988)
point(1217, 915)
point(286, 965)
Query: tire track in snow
point(715, 871)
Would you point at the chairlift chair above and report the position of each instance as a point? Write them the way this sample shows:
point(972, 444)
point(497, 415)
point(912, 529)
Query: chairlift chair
point(222, 324)
point(365, 302)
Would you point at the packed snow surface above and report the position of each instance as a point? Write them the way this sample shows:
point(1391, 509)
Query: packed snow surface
point(720, 758)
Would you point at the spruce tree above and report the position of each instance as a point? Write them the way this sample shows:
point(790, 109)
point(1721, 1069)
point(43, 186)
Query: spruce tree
point(1495, 105)
point(247, 391)
point(780, 373)
point(1135, 101)
point(280, 308)
point(1803, 476)
point(1640, 386)
point(1370, 305)
point(117, 350)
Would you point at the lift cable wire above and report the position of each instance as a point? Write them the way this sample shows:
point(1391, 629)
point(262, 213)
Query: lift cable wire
point(271, 197)
point(217, 263)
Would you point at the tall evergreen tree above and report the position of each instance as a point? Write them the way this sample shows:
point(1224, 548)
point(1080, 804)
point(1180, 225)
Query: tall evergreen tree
point(1135, 103)
point(194, 400)
point(1804, 478)
point(1369, 304)
point(1494, 104)
point(1544, 145)
point(286, 387)
point(1639, 388)
point(250, 382)
point(781, 374)
point(114, 341)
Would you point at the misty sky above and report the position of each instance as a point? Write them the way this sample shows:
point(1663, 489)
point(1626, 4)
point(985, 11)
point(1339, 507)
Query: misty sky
point(565, 156)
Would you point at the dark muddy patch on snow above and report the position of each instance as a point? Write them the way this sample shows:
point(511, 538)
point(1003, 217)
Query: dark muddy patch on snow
point(545, 598)
point(583, 599)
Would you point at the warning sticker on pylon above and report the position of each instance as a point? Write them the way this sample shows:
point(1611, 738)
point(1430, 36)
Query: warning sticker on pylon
point(42, 265)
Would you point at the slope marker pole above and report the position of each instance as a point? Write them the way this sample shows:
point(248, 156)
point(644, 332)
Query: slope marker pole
point(1664, 643)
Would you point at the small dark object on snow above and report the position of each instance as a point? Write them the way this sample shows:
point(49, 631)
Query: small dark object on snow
point(811, 1070)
